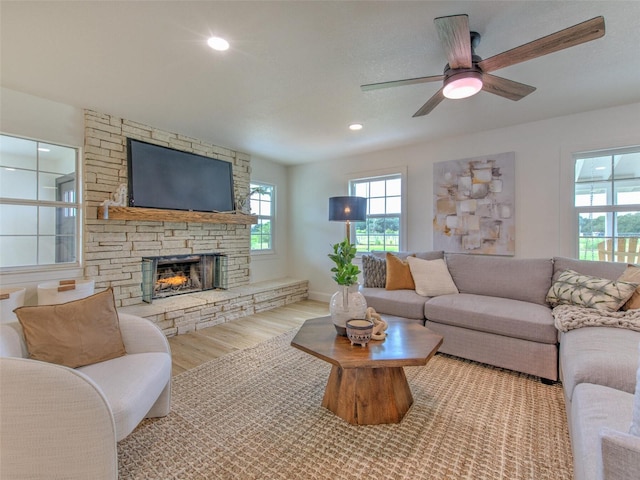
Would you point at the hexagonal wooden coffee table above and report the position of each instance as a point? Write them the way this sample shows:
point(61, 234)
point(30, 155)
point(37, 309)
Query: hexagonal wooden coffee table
point(367, 386)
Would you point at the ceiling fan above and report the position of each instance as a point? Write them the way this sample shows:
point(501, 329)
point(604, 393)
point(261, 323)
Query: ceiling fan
point(466, 73)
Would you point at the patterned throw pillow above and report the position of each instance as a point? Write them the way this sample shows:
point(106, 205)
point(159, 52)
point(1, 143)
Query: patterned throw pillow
point(374, 271)
point(572, 288)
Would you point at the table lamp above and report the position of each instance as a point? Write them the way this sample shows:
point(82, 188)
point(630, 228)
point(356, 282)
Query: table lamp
point(348, 209)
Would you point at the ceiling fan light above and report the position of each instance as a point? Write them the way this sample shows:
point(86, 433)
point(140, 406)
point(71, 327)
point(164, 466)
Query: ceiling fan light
point(462, 85)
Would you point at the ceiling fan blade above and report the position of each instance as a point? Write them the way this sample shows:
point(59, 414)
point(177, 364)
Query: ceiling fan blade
point(569, 37)
point(455, 37)
point(432, 103)
point(505, 88)
point(400, 83)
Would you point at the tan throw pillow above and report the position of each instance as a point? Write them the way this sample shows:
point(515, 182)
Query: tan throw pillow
point(73, 334)
point(432, 277)
point(632, 274)
point(398, 274)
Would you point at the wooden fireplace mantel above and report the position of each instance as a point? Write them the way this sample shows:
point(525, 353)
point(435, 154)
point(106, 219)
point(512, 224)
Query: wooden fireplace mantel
point(158, 215)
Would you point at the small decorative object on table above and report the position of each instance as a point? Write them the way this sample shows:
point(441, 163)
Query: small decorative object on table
point(359, 331)
point(348, 302)
point(379, 325)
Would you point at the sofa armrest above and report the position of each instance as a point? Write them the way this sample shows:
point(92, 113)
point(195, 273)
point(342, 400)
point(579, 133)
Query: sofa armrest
point(620, 455)
point(12, 342)
point(141, 335)
point(55, 423)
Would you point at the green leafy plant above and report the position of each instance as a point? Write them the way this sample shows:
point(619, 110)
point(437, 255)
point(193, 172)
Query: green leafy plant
point(346, 273)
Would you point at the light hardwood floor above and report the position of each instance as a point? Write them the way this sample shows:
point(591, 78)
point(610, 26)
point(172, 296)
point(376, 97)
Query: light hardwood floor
point(191, 349)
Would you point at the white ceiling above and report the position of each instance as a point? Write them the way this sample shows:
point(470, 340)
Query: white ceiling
point(290, 84)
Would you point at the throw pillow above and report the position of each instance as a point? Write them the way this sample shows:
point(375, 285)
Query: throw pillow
point(432, 277)
point(374, 271)
point(73, 334)
point(632, 274)
point(635, 419)
point(398, 274)
point(572, 288)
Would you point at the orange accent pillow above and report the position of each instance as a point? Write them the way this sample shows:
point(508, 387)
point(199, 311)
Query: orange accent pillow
point(75, 333)
point(632, 274)
point(398, 274)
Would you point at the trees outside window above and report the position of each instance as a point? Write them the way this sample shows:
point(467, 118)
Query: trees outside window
point(382, 229)
point(263, 206)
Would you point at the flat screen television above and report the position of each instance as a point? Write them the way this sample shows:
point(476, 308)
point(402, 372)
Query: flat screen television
point(161, 177)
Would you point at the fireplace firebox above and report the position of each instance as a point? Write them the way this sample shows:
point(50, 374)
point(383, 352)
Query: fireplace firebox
point(180, 274)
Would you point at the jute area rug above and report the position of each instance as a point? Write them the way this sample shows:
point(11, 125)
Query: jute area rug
point(256, 414)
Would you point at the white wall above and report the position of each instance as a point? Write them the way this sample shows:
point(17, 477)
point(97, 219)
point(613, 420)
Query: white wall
point(544, 219)
point(273, 265)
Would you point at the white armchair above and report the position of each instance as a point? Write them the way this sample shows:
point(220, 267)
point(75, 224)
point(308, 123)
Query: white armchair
point(59, 422)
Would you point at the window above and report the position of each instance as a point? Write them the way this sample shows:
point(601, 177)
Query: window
point(381, 230)
point(262, 205)
point(607, 203)
point(39, 219)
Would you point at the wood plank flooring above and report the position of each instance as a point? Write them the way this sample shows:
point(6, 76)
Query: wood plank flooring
point(192, 349)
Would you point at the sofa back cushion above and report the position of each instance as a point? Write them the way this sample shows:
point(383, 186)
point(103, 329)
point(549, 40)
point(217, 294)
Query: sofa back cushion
point(527, 280)
point(609, 270)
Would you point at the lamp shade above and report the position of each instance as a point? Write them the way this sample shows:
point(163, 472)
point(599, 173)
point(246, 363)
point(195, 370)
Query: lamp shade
point(348, 209)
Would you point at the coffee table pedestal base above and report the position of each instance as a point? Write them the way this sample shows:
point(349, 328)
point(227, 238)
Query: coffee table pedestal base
point(368, 396)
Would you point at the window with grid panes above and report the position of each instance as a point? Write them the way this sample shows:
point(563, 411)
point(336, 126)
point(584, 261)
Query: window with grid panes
point(263, 206)
point(39, 204)
point(382, 229)
point(607, 204)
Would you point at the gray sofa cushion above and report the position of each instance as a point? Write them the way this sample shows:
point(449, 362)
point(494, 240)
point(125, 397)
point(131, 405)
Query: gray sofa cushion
point(593, 408)
point(402, 303)
point(602, 355)
point(609, 270)
point(528, 280)
point(502, 316)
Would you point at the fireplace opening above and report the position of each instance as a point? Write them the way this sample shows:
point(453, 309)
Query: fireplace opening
point(177, 275)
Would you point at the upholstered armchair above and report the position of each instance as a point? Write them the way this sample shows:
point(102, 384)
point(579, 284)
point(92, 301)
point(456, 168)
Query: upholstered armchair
point(61, 422)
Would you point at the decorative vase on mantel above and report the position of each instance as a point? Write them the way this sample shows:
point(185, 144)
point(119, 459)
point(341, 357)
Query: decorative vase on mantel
point(347, 303)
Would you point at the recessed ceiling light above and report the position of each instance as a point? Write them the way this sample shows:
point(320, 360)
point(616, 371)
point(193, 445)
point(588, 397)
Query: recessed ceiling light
point(355, 126)
point(218, 43)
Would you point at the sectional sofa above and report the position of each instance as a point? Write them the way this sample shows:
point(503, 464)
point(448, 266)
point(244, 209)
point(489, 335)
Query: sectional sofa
point(500, 316)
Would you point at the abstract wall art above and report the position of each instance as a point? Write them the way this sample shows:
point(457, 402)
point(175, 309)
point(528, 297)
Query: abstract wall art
point(474, 205)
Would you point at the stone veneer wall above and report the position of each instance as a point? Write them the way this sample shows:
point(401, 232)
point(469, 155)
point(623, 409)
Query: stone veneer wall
point(113, 249)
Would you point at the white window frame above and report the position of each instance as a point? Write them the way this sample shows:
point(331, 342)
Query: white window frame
point(609, 209)
point(254, 197)
point(400, 172)
point(17, 270)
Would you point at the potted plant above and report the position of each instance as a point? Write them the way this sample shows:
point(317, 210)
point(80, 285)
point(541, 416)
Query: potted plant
point(348, 302)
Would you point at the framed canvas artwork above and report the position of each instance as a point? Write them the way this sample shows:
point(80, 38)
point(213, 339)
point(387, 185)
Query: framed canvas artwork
point(474, 205)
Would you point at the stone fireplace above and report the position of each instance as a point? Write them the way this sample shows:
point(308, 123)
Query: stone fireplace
point(114, 249)
point(165, 276)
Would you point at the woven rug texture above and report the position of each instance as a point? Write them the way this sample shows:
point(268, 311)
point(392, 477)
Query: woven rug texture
point(256, 414)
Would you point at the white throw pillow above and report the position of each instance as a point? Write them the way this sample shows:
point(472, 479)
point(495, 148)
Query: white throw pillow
point(432, 277)
point(635, 422)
